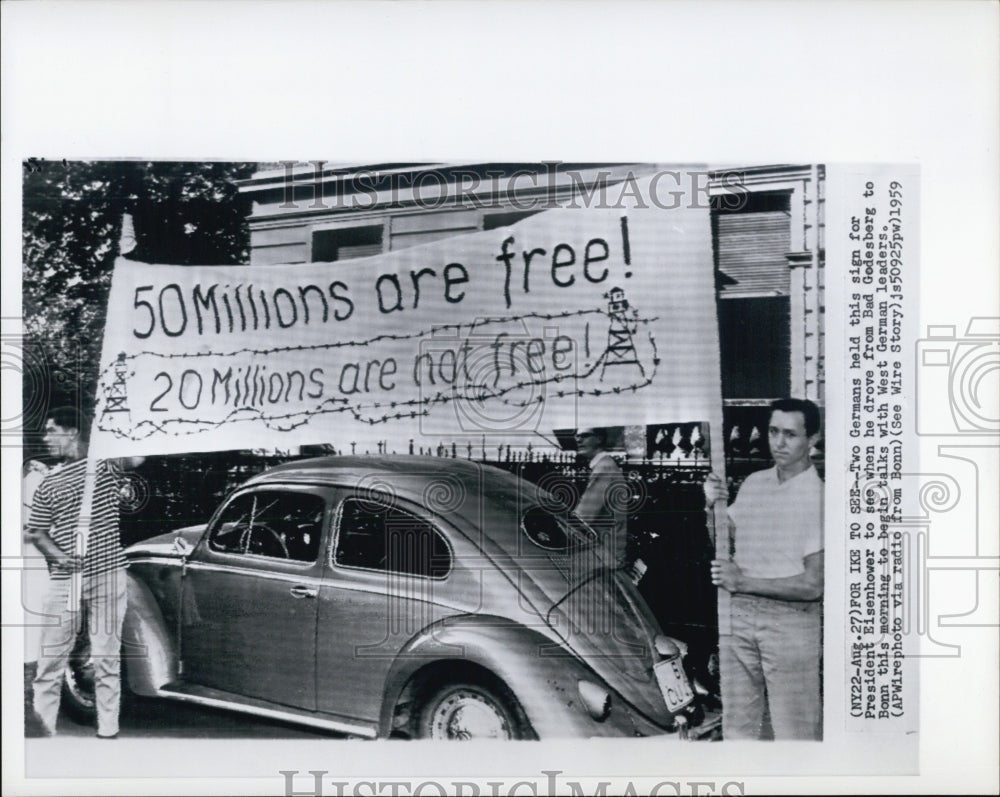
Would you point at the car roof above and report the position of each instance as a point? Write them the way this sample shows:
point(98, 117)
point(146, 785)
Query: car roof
point(450, 486)
point(337, 469)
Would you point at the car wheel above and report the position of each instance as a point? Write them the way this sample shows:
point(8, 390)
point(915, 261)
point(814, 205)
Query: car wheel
point(468, 711)
point(78, 683)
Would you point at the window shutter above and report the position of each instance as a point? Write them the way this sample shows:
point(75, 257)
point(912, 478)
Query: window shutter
point(751, 249)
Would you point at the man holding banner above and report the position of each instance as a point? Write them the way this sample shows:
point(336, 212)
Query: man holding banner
point(53, 528)
point(770, 660)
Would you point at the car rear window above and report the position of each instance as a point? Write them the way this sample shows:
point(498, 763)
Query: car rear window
point(555, 531)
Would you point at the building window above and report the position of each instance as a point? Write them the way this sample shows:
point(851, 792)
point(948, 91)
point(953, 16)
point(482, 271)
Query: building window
point(755, 345)
point(751, 246)
point(346, 243)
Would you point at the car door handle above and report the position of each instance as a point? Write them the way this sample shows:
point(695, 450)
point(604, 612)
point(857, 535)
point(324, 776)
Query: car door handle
point(303, 592)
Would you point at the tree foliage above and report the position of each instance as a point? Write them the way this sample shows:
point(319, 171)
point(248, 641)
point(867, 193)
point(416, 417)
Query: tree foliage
point(184, 213)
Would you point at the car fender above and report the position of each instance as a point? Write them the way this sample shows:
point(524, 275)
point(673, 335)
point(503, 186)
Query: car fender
point(147, 644)
point(542, 675)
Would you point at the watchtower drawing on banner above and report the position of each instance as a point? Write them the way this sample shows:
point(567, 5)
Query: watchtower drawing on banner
point(116, 396)
point(622, 325)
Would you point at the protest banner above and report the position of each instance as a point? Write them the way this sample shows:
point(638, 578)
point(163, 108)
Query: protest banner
point(572, 317)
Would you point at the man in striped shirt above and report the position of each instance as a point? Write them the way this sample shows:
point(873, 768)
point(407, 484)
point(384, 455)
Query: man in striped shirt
point(52, 527)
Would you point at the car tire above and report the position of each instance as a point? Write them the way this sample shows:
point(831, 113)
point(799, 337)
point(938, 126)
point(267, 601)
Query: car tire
point(470, 710)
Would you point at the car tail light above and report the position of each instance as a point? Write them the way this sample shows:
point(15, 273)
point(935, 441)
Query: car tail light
point(668, 647)
point(596, 699)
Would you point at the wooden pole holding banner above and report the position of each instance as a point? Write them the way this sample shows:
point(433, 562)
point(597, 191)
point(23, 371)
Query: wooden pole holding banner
point(720, 532)
point(83, 524)
point(126, 244)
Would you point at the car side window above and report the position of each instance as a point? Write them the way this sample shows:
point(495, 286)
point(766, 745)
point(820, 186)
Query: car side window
point(376, 536)
point(280, 524)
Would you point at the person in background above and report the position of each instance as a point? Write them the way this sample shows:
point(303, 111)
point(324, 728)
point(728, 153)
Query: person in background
point(771, 660)
point(52, 529)
point(603, 501)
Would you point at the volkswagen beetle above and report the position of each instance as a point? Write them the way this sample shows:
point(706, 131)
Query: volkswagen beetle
point(400, 596)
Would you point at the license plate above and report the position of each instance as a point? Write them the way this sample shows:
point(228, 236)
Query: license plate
point(673, 684)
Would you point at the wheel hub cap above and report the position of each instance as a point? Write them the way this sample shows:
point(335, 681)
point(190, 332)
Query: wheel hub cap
point(466, 715)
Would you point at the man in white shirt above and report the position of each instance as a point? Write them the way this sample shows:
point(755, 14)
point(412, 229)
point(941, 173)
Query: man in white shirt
point(771, 659)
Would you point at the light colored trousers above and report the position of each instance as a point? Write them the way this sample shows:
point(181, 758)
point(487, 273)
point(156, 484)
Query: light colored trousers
point(105, 596)
point(771, 661)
